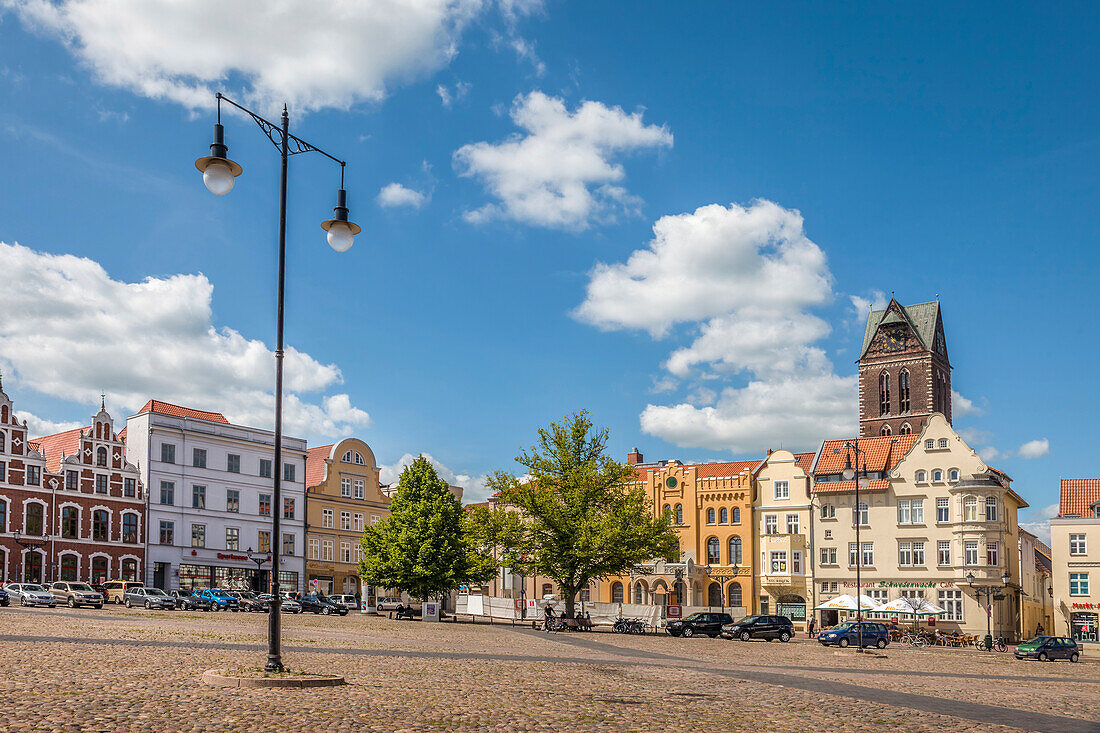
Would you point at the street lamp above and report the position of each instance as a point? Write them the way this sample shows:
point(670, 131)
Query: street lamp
point(29, 542)
point(988, 590)
point(259, 559)
point(850, 474)
point(219, 174)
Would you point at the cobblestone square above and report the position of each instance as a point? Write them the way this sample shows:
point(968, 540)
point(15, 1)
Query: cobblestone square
point(136, 670)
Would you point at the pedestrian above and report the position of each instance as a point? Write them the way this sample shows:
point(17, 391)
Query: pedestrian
point(549, 611)
point(1039, 629)
point(811, 626)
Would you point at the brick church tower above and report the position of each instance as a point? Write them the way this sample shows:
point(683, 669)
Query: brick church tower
point(904, 373)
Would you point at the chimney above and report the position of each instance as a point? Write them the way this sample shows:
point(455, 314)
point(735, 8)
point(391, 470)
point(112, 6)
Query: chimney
point(634, 457)
point(769, 451)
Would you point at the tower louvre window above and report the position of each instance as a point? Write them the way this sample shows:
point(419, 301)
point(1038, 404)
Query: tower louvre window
point(903, 391)
point(884, 393)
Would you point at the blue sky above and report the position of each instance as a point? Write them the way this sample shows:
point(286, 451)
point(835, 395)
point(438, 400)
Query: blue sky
point(827, 155)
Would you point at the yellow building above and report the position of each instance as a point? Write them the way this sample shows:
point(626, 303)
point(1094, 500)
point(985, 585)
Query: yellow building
point(342, 496)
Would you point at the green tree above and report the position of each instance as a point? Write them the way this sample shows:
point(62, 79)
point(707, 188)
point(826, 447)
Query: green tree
point(583, 516)
point(421, 547)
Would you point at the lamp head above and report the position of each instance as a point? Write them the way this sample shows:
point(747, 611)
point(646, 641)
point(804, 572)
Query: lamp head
point(341, 232)
point(1005, 578)
point(218, 171)
point(970, 579)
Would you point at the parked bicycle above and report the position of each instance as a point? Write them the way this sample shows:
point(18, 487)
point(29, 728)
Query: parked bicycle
point(628, 626)
point(1000, 644)
point(914, 640)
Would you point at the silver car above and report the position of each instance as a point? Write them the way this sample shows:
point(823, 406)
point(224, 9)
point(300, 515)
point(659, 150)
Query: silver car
point(31, 594)
point(289, 605)
point(150, 598)
point(76, 594)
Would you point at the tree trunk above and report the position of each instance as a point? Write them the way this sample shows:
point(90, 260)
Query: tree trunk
point(569, 595)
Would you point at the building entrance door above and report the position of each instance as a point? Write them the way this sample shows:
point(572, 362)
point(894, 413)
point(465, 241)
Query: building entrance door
point(32, 567)
point(1085, 626)
point(160, 575)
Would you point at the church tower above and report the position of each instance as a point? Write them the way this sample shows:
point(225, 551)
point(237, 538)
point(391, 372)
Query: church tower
point(904, 373)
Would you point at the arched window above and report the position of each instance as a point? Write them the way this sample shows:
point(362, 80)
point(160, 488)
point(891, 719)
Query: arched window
point(638, 593)
point(953, 474)
point(359, 459)
point(3, 439)
point(668, 511)
point(885, 430)
point(68, 567)
point(678, 593)
point(860, 514)
point(736, 515)
point(99, 525)
point(970, 509)
point(922, 477)
point(724, 516)
point(710, 516)
point(734, 594)
point(884, 393)
point(903, 391)
point(346, 458)
point(713, 557)
point(616, 592)
point(32, 567)
point(101, 456)
point(32, 520)
point(99, 569)
point(70, 522)
point(906, 429)
point(937, 475)
point(735, 551)
point(679, 514)
point(991, 509)
point(3, 516)
point(129, 569)
point(129, 527)
point(714, 595)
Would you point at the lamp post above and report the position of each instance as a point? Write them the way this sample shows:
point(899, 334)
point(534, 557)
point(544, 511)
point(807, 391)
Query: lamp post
point(988, 590)
point(219, 174)
point(259, 559)
point(850, 474)
point(722, 576)
point(29, 542)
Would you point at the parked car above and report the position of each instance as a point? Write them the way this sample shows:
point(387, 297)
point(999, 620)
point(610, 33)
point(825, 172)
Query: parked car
point(248, 601)
point(290, 605)
point(114, 591)
point(1049, 648)
point(5, 599)
point(219, 601)
point(76, 594)
point(150, 598)
point(187, 600)
point(388, 603)
point(846, 634)
point(349, 602)
point(760, 627)
point(31, 594)
point(319, 603)
point(700, 623)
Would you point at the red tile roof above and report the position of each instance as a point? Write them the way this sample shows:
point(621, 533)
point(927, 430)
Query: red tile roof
point(122, 435)
point(833, 487)
point(722, 470)
point(165, 408)
point(1078, 496)
point(58, 445)
point(315, 464)
point(880, 453)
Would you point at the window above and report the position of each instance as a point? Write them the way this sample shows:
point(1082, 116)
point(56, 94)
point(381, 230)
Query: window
point(764, 604)
point(198, 535)
point(903, 391)
point(34, 475)
point(327, 518)
point(860, 514)
point(828, 556)
point(346, 457)
point(357, 522)
point(917, 506)
point(72, 480)
point(906, 429)
point(360, 488)
point(233, 463)
point(991, 553)
point(796, 562)
point(943, 553)
point(232, 500)
point(918, 554)
point(991, 509)
point(679, 514)
point(951, 601)
point(326, 550)
point(33, 520)
point(167, 532)
point(359, 459)
point(884, 393)
point(929, 444)
point(668, 511)
point(101, 483)
point(943, 510)
point(129, 487)
point(265, 505)
point(792, 524)
point(710, 516)
point(616, 592)
point(937, 476)
point(345, 487)
point(970, 509)
point(198, 457)
point(1077, 544)
point(288, 509)
point(99, 568)
point(868, 553)
point(288, 472)
point(1078, 584)
point(313, 548)
point(263, 540)
point(828, 511)
point(971, 554)
point(345, 521)
point(265, 468)
point(101, 457)
point(68, 567)
point(232, 538)
point(853, 554)
point(735, 551)
point(70, 522)
point(905, 554)
point(943, 442)
point(885, 430)
point(922, 477)
point(903, 512)
point(953, 474)
point(782, 490)
point(288, 543)
point(735, 595)
point(712, 552)
point(771, 524)
point(198, 497)
point(345, 552)
point(736, 518)
point(130, 527)
point(167, 493)
point(3, 441)
point(724, 516)
point(167, 454)
point(778, 561)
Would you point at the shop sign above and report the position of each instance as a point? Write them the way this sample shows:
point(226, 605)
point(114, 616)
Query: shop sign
point(902, 584)
point(674, 611)
point(1086, 605)
point(229, 556)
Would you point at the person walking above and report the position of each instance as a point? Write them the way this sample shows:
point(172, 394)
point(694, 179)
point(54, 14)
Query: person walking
point(811, 627)
point(1039, 629)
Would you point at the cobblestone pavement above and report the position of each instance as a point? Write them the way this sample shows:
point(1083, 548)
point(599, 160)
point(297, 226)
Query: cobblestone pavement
point(116, 669)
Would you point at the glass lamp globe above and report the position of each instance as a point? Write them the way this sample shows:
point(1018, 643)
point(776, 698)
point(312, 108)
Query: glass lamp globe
point(340, 236)
point(218, 177)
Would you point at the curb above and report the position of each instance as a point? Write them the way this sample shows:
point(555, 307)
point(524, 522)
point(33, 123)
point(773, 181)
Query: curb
point(218, 678)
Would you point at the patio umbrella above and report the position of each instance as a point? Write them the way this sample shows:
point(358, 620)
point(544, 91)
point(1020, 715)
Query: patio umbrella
point(910, 607)
point(847, 602)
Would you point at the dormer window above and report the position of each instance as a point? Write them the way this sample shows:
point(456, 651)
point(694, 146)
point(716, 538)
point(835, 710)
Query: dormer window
point(1096, 512)
point(929, 444)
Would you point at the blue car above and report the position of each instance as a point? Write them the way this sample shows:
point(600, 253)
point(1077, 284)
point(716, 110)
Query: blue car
point(846, 634)
point(219, 601)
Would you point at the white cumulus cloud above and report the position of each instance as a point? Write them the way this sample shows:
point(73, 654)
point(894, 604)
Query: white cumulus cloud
point(38, 426)
point(1034, 448)
point(473, 487)
point(450, 95)
point(310, 54)
point(561, 171)
point(962, 406)
point(395, 194)
point(71, 331)
point(1041, 527)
